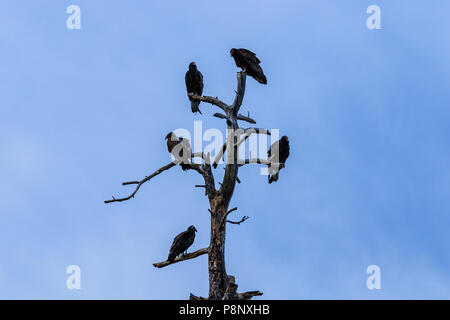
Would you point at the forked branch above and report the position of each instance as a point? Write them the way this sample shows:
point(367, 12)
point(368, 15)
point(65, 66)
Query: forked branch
point(238, 222)
point(204, 170)
point(140, 183)
point(225, 216)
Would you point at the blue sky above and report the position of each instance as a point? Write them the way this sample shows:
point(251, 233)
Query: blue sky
point(366, 112)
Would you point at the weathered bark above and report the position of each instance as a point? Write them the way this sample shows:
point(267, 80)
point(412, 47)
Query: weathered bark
point(216, 254)
point(231, 291)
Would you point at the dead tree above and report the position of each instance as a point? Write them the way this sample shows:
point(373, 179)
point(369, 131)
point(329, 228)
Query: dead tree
point(221, 285)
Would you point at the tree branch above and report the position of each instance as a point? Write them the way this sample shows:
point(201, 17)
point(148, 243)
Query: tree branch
point(140, 183)
point(257, 130)
point(225, 216)
point(219, 155)
point(255, 160)
point(200, 155)
point(209, 178)
point(245, 118)
point(239, 93)
point(204, 170)
point(215, 101)
point(185, 257)
point(248, 295)
point(192, 297)
point(229, 179)
point(238, 222)
point(247, 133)
point(220, 115)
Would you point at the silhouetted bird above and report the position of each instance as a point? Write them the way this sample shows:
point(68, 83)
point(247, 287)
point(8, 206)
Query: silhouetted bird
point(180, 148)
point(194, 85)
point(248, 61)
point(181, 243)
point(277, 155)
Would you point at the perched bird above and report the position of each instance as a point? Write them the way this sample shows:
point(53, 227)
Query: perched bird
point(180, 148)
point(277, 155)
point(194, 85)
point(181, 243)
point(248, 61)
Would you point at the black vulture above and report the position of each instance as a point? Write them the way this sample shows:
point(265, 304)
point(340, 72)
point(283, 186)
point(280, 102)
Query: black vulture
point(181, 243)
point(194, 85)
point(277, 155)
point(248, 61)
point(180, 148)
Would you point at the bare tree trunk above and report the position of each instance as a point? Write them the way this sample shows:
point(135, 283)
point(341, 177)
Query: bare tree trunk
point(216, 255)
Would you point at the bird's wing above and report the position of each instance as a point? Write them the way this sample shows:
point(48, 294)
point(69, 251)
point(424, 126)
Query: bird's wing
point(201, 82)
point(190, 81)
point(273, 151)
point(176, 241)
point(186, 145)
point(286, 152)
point(171, 144)
point(250, 56)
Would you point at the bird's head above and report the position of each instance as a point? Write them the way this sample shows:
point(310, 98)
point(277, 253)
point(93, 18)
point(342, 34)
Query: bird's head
point(192, 66)
point(285, 138)
point(232, 51)
point(192, 228)
point(169, 135)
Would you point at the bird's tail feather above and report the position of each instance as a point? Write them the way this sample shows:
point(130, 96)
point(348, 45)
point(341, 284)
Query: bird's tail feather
point(273, 178)
point(194, 106)
point(261, 78)
point(258, 74)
